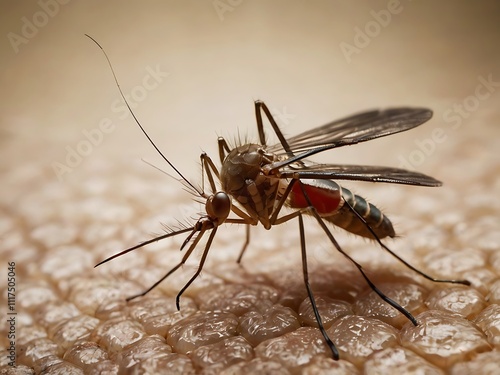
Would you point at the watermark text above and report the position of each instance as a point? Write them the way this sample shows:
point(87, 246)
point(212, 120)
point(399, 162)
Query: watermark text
point(30, 26)
point(11, 313)
point(454, 116)
point(75, 154)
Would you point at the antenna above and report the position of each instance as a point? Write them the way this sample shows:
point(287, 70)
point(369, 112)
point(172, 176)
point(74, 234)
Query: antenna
point(137, 121)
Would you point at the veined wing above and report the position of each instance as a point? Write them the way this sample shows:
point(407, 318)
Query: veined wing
point(357, 128)
point(310, 170)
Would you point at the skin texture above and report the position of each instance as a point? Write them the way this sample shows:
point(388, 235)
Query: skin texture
point(72, 317)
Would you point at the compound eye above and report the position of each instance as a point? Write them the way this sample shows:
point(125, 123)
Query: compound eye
point(218, 206)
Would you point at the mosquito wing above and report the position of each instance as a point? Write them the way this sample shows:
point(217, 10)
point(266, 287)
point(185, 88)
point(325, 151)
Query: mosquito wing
point(357, 128)
point(310, 170)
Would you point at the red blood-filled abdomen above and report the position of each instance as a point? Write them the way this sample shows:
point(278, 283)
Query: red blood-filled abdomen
point(325, 196)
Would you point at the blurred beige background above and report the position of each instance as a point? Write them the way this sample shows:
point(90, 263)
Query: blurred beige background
point(192, 70)
point(219, 58)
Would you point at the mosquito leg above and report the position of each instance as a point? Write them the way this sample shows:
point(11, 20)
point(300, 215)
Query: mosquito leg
point(245, 218)
point(388, 300)
point(248, 221)
point(329, 342)
point(209, 167)
point(259, 107)
point(223, 148)
point(198, 271)
point(260, 125)
point(413, 268)
point(155, 284)
point(175, 268)
point(247, 241)
point(142, 244)
point(281, 202)
point(202, 173)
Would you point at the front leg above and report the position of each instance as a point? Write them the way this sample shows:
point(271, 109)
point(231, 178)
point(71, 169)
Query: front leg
point(262, 107)
point(209, 170)
point(223, 149)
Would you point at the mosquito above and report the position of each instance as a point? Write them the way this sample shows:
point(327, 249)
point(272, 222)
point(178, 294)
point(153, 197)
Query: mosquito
point(257, 180)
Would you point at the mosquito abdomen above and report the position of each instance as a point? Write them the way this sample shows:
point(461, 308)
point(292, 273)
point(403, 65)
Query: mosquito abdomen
point(348, 220)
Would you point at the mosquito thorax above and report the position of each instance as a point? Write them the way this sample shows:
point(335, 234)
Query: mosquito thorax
point(218, 206)
point(241, 176)
point(241, 164)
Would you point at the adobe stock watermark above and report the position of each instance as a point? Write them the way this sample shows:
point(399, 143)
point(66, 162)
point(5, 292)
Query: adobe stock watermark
point(454, 116)
point(223, 6)
point(283, 116)
point(75, 154)
point(372, 29)
point(30, 26)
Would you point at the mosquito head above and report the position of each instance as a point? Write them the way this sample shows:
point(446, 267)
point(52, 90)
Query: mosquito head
point(218, 206)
